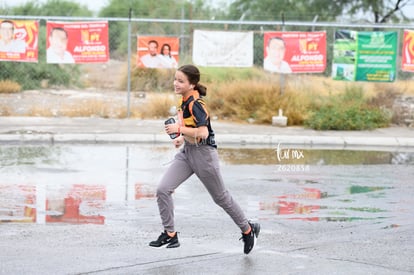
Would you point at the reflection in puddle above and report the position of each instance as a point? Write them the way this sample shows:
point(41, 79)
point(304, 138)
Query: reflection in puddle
point(80, 204)
point(142, 191)
point(309, 205)
point(17, 203)
point(319, 157)
point(100, 184)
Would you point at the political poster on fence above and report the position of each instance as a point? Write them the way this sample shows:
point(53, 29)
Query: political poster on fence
point(19, 40)
point(158, 52)
point(407, 61)
point(364, 56)
point(223, 48)
point(294, 52)
point(77, 42)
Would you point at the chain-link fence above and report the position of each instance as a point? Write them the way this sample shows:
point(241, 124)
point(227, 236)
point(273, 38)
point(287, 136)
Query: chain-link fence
point(121, 73)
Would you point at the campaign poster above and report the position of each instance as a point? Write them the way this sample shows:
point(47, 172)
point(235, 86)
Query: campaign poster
point(408, 51)
point(19, 40)
point(77, 42)
point(223, 48)
point(158, 52)
point(365, 56)
point(294, 52)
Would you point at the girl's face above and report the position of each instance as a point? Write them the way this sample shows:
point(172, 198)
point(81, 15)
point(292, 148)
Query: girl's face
point(181, 84)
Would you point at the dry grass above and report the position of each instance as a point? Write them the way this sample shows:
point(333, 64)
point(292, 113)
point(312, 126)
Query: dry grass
point(296, 95)
point(5, 111)
point(238, 96)
point(159, 105)
point(88, 107)
point(256, 100)
point(9, 87)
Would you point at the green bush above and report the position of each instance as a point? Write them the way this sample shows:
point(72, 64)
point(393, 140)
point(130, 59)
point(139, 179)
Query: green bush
point(31, 75)
point(348, 111)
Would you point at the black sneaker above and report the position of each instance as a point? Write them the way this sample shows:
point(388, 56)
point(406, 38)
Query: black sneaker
point(165, 239)
point(248, 239)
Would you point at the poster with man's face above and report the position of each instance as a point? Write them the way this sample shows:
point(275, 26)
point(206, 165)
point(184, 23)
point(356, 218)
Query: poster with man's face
point(157, 52)
point(19, 40)
point(294, 52)
point(77, 42)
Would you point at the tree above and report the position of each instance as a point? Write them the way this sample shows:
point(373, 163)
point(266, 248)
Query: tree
point(385, 11)
point(378, 11)
point(53, 8)
point(165, 9)
point(272, 10)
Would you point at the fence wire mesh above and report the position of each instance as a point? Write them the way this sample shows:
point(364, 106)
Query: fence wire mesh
point(113, 75)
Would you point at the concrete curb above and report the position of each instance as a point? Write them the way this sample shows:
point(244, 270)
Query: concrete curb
point(223, 140)
point(28, 130)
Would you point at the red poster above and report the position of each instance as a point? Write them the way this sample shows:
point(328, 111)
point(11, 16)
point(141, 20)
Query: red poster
point(408, 51)
point(19, 40)
point(77, 42)
point(295, 52)
point(157, 52)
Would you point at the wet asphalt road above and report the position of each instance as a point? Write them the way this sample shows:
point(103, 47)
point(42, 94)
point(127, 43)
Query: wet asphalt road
point(316, 218)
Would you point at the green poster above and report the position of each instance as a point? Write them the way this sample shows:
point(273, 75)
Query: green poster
point(365, 56)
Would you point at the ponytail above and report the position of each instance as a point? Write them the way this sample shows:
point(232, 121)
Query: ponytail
point(202, 90)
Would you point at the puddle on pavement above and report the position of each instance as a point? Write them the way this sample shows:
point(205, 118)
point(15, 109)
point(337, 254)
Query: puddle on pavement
point(103, 184)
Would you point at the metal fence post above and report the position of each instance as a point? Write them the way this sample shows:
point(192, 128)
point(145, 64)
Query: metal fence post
point(129, 66)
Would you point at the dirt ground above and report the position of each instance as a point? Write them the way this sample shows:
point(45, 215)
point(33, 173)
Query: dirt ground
point(69, 103)
point(103, 96)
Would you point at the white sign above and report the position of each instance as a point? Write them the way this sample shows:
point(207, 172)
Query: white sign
point(223, 49)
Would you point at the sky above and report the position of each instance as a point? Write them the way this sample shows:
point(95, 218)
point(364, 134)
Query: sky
point(96, 5)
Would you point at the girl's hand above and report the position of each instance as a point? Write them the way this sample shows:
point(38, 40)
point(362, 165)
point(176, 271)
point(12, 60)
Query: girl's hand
point(178, 141)
point(171, 128)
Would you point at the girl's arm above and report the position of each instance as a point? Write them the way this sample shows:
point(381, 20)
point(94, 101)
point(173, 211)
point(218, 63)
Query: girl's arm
point(189, 132)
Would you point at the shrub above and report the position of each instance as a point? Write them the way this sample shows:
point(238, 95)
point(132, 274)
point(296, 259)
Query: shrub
point(148, 79)
point(348, 111)
point(31, 75)
point(159, 105)
point(8, 87)
point(258, 100)
point(225, 75)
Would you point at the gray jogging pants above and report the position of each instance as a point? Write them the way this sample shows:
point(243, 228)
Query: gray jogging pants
point(203, 161)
